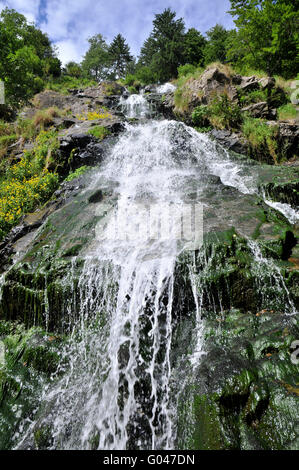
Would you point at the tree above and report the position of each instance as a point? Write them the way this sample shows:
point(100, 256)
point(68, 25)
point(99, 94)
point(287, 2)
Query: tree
point(268, 35)
point(163, 51)
point(96, 60)
point(73, 69)
point(26, 57)
point(194, 44)
point(120, 56)
point(147, 52)
point(215, 48)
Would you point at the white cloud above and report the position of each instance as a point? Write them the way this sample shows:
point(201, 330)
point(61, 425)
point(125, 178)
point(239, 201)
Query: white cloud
point(28, 8)
point(69, 50)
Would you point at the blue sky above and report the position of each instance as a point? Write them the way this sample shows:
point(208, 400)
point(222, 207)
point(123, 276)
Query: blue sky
point(70, 22)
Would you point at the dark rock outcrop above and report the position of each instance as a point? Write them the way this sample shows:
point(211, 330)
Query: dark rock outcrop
point(231, 140)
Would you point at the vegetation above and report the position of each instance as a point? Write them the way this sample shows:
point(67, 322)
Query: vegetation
point(163, 51)
point(96, 61)
point(27, 184)
point(99, 132)
point(24, 188)
point(287, 111)
point(120, 57)
point(220, 113)
point(65, 83)
point(261, 137)
point(27, 58)
point(216, 46)
point(93, 115)
point(75, 174)
point(267, 37)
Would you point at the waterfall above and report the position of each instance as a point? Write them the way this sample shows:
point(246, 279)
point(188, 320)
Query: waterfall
point(114, 393)
point(113, 387)
point(135, 106)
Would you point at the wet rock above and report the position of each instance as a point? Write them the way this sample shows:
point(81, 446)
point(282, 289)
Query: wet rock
point(96, 197)
point(231, 140)
point(244, 394)
point(31, 357)
point(285, 192)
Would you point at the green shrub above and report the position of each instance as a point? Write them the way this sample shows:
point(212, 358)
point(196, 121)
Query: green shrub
point(6, 128)
point(224, 113)
point(182, 93)
point(6, 140)
point(22, 191)
point(99, 132)
point(130, 79)
point(146, 76)
point(204, 129)
point(261, 137)
point(200, 116)
point(249, 71)
point(132, 90)
point(255, 96)
point(25, 128)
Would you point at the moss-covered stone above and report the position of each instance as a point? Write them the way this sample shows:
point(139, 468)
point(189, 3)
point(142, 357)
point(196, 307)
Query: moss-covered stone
point(31, 357)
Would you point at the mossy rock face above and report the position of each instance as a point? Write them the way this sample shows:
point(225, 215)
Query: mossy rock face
point(245, 391)
point(242, 393)
point(31, 357)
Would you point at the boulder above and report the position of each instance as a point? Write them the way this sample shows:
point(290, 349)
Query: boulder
point(249, 83)
point(212, 82)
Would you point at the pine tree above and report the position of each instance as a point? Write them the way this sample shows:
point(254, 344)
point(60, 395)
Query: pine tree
point(194, 44)
point(163, 51)
point(119, 53)
point(215, 49)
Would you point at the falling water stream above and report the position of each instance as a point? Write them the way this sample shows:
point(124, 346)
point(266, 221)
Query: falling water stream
point(113, 387)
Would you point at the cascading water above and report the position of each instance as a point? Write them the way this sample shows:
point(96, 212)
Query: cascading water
point(113, 388)
point(135, 106)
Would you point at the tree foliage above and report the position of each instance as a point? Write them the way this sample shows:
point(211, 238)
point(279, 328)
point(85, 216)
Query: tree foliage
point(27, 57)
point(194, 44)
point(163, 51)
point(96, 60)
point(268, 35)
point(215, 49)
point(120, 56)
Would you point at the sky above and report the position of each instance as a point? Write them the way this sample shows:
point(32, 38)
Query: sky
point(69, 23)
